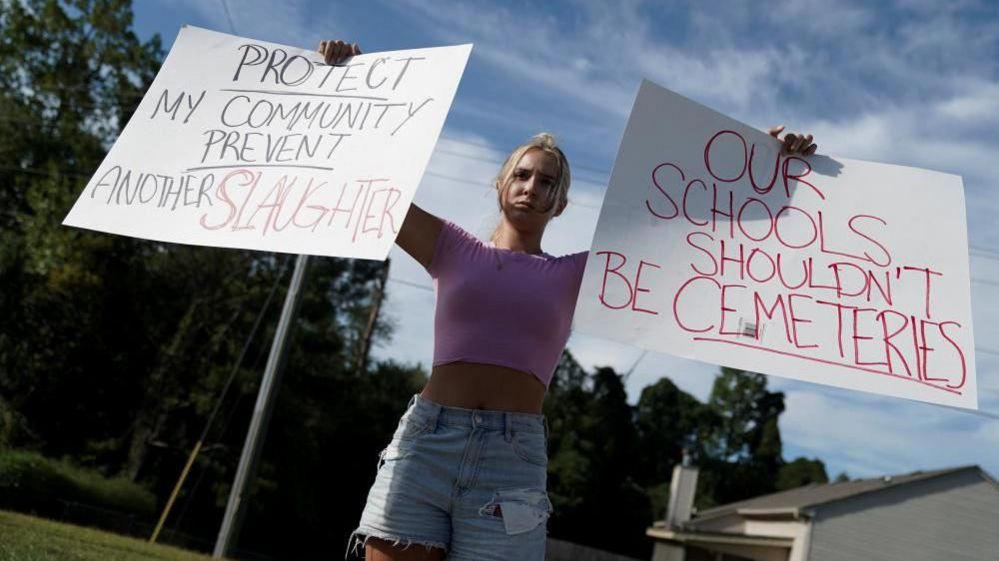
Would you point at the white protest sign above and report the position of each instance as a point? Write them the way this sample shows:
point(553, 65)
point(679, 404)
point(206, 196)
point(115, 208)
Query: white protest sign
point(714, 246)
point(247, 144)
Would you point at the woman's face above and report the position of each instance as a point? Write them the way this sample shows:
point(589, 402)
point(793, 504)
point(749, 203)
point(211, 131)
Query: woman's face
point(525, 201)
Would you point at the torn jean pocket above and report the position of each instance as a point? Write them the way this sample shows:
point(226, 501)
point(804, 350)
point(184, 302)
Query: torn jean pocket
point(521, 510)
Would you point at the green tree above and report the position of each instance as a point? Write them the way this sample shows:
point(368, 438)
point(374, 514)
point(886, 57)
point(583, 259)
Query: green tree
point(669, 422)
point(322, 453)
point(801, 472)
point(743, 452)
point(746, 413)
point(593, 462)
point(69, 74)
point(114, 350)
point(567, 410)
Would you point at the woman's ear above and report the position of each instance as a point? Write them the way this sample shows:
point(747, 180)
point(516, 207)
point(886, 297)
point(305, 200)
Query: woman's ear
point(499, 194)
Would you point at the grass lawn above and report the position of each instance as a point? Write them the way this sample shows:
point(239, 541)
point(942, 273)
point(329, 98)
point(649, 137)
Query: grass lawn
point(26, 538)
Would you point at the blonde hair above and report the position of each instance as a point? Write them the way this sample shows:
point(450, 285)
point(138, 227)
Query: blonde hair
point(559, 195)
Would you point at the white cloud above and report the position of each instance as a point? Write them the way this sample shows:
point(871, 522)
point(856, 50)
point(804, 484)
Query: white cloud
point(211, 12)
point(928, 136)
point(266, 20)
point(922, 134)
point(606, 59)
point(727, 77)
point(872, 435)
point(977, 103)
point(296, 23)
point(810, 18)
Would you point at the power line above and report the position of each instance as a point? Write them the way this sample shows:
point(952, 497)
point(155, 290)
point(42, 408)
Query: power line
point(412, 284)
point(481, 144)
point(976, 250)
point(634, 365)
point(68, 173)
point(993, 252)
point(218, 403)
point(48, 173)
point(977, 413)
point(498, 162)
point(979, 255)
point(465, 181)
point(228, 17)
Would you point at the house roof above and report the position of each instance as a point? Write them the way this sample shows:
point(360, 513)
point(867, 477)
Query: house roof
point(792, 501)
point(719, 538)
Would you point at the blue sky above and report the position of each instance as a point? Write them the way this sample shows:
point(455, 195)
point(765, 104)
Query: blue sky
point(911, 82)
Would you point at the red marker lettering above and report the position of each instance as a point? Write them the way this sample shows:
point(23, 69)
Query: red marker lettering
point(648, 204)
point(608, 270)
point(638, 288)
point(676, 304)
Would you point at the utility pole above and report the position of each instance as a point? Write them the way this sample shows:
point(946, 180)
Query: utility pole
point(364, 343)
point(234, 510)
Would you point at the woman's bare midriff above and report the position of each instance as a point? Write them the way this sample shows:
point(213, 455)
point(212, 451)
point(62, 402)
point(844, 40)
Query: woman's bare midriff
point(471, 385)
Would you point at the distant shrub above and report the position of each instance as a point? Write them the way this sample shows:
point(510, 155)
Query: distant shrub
point(32, 483)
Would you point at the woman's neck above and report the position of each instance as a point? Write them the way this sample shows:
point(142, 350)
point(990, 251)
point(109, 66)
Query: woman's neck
point(508, 237)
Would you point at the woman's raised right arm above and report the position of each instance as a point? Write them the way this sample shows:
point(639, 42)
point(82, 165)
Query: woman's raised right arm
point(420, 230)
point(419, 233)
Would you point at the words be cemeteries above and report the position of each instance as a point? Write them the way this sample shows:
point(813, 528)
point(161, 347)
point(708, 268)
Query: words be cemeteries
point(713, 245)
point(246, 144)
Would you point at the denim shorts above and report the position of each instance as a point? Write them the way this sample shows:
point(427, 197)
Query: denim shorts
point(469, 481)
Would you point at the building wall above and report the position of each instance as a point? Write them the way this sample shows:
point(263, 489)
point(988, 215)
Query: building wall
point(798, 530)
point(954, 517)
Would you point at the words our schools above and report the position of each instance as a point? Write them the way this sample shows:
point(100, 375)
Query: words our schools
point(714, 245)
point(241, 143)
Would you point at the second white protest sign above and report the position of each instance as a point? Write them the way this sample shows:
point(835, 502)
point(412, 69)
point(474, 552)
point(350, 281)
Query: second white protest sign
point(713, 245)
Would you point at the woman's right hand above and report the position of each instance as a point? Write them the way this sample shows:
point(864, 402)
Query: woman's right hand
point(419, 230)
point(335, 52)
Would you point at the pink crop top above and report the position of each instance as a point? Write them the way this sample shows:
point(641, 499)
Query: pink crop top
point(502, 307)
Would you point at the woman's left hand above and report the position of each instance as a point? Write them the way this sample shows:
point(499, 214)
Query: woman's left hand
point(795, 144)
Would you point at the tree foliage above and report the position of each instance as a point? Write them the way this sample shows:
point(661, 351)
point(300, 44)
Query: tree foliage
point(591, 469)
point(801, 472)
point(113, 350)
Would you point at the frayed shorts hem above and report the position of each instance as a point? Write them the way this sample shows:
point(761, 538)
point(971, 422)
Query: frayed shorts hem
point(359, 539)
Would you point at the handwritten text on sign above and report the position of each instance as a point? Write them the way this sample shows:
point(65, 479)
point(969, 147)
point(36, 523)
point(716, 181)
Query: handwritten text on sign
point(241, 143)
point(711, 244)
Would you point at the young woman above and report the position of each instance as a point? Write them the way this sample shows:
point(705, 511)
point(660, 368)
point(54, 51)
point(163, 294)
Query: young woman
point(464, 474)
